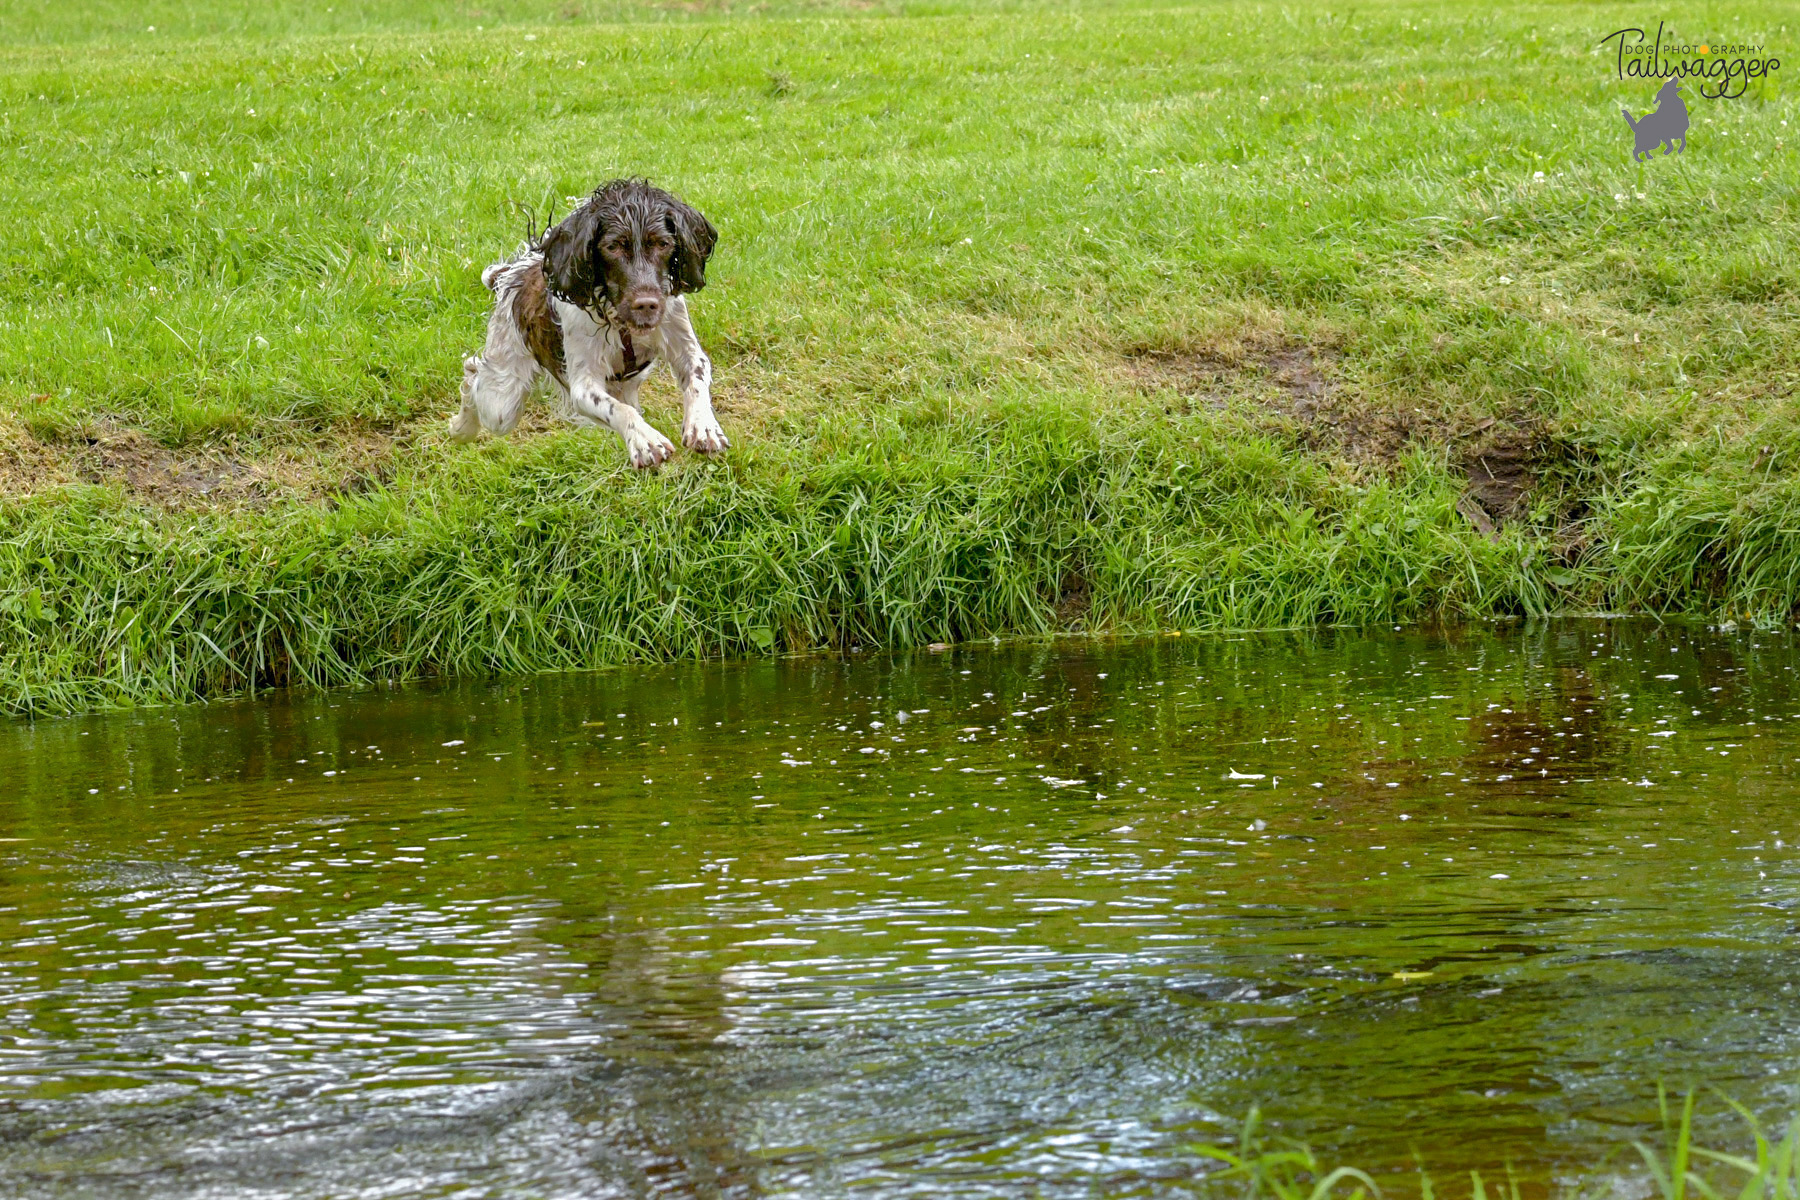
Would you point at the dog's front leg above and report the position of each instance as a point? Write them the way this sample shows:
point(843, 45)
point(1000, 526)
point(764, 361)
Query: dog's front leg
point(693, 371)
point(646, 446)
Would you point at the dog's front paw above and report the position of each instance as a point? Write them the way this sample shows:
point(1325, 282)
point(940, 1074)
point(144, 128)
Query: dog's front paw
point(647, 447)
point(702, 433)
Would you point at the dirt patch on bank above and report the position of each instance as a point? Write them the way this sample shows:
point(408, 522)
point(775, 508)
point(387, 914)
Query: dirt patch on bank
point(1073, 601)
point(199, 476)
point(157, 472)
point(285, 465)
point(1295, 381)
point(1296, 375)
point(1296, 387)
point(1501, 472)
point(28, 466)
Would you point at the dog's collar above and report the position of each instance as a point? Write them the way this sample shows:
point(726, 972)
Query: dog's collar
point(633, 368)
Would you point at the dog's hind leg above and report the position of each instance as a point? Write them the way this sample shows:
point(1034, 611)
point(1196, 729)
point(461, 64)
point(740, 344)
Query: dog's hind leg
point(493, 397)
point(495, 384)
point(626, 391)
point(500, 389)
point(467, 423)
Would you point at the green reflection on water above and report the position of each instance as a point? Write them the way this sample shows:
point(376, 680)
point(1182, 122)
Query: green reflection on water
point(1019, 921)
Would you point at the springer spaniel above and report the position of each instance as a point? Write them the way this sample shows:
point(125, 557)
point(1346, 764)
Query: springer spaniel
point(593, 304)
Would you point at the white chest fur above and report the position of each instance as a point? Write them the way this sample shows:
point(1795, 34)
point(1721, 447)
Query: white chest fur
point(600, 350)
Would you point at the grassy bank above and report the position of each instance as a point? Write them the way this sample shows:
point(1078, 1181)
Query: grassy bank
point(1021, 519)
point(1027, 317)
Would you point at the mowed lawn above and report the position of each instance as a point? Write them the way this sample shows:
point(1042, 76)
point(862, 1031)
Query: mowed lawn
point(241, 234)
point(1281, 258)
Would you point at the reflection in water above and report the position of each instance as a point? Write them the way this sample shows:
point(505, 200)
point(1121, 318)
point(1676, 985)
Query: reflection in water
point(1021, 921)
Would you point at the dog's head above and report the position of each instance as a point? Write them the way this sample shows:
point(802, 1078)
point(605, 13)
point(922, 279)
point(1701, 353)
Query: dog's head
point(1669, 91)
point(632, 246)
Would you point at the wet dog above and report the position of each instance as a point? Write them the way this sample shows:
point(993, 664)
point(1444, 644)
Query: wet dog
point(593, 305)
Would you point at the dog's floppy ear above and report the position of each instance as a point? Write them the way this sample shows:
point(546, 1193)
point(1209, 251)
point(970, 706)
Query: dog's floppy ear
point(694, 241)
point(568, 250)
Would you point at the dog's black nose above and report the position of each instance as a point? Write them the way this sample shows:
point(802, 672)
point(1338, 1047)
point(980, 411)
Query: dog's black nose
point(645, 310)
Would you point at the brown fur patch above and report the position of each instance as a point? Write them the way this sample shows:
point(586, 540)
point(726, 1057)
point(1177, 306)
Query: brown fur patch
point(536, 320)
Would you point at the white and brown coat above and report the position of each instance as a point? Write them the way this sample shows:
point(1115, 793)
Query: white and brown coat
point(592, 307)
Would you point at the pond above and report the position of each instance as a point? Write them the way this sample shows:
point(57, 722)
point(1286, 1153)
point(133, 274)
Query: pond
point(1022, 920)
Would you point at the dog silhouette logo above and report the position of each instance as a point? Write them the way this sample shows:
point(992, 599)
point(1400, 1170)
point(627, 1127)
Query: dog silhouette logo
point(1666, 127)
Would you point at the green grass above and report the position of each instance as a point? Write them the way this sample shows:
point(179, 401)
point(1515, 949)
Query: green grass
point(1255, 1167)
point(524, 559)
point(46, 23)
point(958, 239)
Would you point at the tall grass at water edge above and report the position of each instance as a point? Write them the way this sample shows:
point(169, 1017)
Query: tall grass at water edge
point(988, 523)
point(1254, 1169)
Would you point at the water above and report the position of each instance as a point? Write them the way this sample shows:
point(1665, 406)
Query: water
point(1020, 921)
